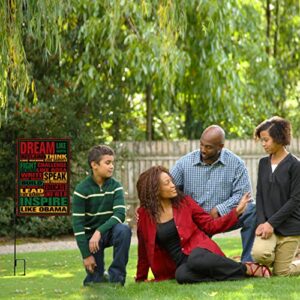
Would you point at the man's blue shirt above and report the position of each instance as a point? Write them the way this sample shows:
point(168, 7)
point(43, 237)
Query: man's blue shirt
point(221, 184)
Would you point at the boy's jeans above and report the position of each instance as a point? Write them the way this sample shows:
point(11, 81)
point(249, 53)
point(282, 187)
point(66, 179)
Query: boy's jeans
point(118, 237)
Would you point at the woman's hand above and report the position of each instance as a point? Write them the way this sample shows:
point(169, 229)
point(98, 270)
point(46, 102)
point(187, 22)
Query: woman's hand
point(243, 203)
point(259, 230)
point(136, 213)
point(264, 230)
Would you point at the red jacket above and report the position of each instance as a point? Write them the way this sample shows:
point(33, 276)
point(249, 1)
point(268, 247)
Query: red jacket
point(193, 225)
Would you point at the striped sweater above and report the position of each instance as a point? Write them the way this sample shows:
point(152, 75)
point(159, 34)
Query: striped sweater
point(96, 207)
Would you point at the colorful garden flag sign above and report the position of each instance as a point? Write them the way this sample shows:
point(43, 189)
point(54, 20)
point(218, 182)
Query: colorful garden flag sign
point(43, 177)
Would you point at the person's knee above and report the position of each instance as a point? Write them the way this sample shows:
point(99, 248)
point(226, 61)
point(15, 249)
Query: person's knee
point(262, 256)
point(181, 274)
point(200, 257)
point(198, 253)
point(122, 231)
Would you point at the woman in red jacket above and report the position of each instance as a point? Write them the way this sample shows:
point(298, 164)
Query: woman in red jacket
point(173, 235)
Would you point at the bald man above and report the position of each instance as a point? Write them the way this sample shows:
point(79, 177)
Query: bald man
point(216, 179)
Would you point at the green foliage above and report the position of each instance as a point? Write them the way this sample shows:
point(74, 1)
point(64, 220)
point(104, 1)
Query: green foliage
point(6, 220)
point(203, 62)
point(26, 18)
point(40, 227)
point(138, 49)
point(37, 121)
point(229, 74)
point(46, 118)
point(197, 63)
point(43, 227)
point(286, 55)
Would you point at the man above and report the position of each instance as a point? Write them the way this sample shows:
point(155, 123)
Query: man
point(216, 179)
point(98, 216)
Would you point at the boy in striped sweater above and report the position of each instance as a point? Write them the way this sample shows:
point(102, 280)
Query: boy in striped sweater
point(98, 216)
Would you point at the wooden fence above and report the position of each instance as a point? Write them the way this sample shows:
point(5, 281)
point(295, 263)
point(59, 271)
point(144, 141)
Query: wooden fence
point(135, 157)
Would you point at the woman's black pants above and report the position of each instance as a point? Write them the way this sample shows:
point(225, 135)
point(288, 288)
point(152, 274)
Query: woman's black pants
point(203, 265)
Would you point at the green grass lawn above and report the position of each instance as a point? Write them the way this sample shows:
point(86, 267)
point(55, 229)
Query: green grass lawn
point(59, 275)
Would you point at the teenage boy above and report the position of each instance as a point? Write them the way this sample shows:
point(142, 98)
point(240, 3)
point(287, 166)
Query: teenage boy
point(98, 216)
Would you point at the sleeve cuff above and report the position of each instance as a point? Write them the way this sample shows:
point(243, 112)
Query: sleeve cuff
point(85, 252)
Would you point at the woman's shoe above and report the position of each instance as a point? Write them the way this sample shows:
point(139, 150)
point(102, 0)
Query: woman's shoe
point(257, 270)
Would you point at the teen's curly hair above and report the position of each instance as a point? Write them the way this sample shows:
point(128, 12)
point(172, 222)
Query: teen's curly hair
point(148, 191)
point(280, 130)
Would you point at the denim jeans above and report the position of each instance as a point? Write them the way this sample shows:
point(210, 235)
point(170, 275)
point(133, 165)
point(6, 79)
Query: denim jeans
point(247, 223)
point(118, 237)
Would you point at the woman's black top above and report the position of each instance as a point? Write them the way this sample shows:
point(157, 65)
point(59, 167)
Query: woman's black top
point(167, 237)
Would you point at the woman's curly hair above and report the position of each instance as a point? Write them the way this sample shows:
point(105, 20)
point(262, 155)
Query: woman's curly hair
point(148, 191)
point(279, 129)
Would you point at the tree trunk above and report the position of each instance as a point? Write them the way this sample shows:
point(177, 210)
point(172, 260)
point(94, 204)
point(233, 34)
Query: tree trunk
point(268, 32)
point(149, 112)
point(188, 117)
point(116, 128)
point(276, 28)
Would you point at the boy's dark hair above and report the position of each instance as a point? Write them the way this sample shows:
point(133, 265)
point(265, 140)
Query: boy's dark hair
point(97, 152)
point(279, 129)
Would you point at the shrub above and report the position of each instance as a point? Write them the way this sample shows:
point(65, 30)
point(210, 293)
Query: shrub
point(42, 227)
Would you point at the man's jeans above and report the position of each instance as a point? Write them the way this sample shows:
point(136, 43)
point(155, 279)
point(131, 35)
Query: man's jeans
point(119, 238)
point(247, 223)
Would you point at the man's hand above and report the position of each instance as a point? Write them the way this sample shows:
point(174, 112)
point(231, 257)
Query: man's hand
point(89, 263)
point(243, 203)
point(94, 241)
point(214, 213)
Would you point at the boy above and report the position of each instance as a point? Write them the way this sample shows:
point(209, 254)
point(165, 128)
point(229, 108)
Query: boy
point(98, 216)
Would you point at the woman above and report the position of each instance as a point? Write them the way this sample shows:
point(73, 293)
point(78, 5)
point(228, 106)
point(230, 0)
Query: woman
point(277, 200)
point(173, 235)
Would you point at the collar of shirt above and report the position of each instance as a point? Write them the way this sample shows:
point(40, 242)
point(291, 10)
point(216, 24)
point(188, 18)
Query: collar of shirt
point(198, 161)
point(105, 183)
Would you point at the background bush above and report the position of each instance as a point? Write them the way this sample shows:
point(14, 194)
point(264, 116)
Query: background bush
point(40, 227)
